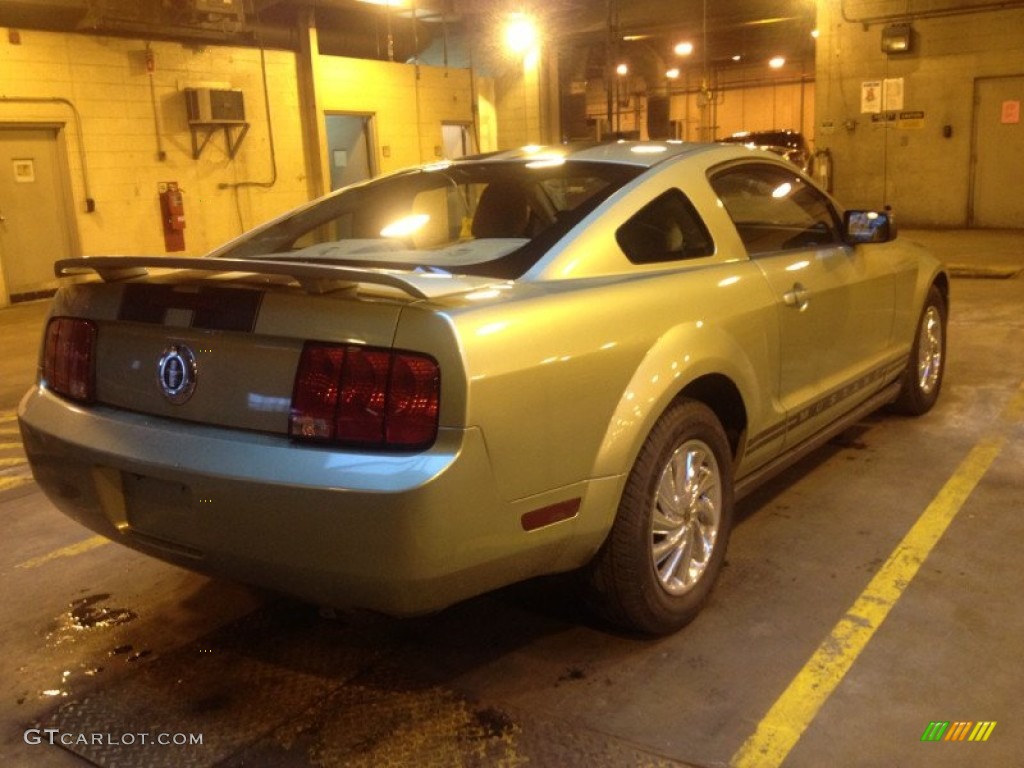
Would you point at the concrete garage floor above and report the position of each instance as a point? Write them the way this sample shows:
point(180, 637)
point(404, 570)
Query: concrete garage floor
point(800, 659)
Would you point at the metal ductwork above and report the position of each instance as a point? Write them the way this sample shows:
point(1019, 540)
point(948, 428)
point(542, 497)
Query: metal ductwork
point(350, 29)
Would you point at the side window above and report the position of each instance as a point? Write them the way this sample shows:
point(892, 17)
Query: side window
point(775, 210)
point(666, 229)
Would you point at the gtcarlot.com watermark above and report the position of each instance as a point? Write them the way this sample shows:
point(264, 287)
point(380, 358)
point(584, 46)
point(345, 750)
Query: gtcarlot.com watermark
point(57, 737)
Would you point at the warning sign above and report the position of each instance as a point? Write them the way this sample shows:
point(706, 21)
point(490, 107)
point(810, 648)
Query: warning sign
point(910, 119)
point(1010, 113)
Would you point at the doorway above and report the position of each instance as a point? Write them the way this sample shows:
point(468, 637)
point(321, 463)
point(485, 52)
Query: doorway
point(349, 147)
point(458, 140)
point(36, 215)
point(998, 153)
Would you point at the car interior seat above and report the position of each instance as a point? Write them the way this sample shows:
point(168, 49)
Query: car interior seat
point(502, 211)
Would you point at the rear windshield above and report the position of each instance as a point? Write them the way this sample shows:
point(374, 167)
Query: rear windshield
point(495, 219)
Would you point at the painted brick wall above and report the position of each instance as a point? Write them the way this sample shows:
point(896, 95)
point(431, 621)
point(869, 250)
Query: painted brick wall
point(911, 164)
point(745, 99)
point(107, 81)
point(409, 104)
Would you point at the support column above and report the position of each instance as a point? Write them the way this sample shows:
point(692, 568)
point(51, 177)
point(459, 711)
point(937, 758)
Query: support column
point(314, 130)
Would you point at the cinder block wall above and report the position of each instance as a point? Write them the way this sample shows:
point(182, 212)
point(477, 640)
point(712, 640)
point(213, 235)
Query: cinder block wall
point(518, 106)
point(920, 162)
point(740, 99)
point(409, 104)
point(782, 106)
point(108, 83)
point(126, 121)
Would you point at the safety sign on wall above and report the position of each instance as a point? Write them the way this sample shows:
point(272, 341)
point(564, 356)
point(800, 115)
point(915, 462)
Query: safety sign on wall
point(1010, 114)
point(24, 171)
point(881, 95)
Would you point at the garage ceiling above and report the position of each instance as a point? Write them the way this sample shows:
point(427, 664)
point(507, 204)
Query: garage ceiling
point(748, 28)
point(719, 29)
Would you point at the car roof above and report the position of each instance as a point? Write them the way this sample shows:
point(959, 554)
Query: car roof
point(642, 154)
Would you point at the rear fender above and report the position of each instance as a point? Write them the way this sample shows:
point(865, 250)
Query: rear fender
point(681, 356)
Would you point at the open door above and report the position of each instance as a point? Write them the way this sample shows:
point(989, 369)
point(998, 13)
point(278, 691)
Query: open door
point(349, 149)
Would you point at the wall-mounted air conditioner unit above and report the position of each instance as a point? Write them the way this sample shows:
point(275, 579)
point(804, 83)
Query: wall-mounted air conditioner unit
point(213, 105)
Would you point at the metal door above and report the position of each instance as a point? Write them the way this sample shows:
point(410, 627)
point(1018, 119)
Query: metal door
point(997, 153)
point(35, 212)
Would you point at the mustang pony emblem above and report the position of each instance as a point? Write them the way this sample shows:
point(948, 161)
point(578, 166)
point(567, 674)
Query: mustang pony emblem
point(176, 373)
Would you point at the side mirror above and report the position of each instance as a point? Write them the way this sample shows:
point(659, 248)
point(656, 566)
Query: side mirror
point(868, 227)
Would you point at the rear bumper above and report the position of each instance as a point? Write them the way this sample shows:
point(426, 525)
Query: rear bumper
point(398, 533)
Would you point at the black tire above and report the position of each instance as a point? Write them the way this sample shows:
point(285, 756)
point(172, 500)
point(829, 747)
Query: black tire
point(677, 504)
point(922, 378)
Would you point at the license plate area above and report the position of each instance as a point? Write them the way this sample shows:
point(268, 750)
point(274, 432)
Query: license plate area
point(158, 507)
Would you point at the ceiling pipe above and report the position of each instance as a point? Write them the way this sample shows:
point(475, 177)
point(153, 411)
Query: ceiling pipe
point(936, 13)
point(345, 31)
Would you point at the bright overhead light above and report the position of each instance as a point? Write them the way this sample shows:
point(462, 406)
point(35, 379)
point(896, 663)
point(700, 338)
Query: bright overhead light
point(672, 74)
point(622, 69)
point(683, 49)
point(815, 34)
point(520, 33)
point(777, 63)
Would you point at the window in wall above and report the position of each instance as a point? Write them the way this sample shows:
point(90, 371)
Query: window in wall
point(775, 210)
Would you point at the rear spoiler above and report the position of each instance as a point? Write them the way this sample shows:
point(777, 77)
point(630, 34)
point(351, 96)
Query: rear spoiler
point(313, 278)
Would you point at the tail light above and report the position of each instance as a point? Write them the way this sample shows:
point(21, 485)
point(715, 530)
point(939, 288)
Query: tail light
point(69, 356)
point(365, 396)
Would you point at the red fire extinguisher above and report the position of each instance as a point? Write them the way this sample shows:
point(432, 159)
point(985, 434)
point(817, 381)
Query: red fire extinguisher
point(172, 209)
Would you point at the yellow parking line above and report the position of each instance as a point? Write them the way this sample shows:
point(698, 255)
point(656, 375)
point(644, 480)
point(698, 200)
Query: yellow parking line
point(69, 551)
point(10, 430)
point(796, 708)
point(13, 462)
point(10, 483)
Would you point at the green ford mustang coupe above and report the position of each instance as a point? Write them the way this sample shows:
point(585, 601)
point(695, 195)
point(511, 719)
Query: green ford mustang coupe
point(456, 377)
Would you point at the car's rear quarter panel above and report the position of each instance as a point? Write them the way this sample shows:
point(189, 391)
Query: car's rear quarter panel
point(566, 379)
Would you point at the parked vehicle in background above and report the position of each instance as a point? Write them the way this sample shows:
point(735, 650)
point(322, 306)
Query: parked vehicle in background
point(789, 144)
point(456, 377)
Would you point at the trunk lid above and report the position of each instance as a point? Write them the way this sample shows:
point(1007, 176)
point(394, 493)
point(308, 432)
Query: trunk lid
point(242, 330)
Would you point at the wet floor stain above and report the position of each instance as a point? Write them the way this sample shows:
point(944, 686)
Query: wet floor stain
point(282, 687)
point(86, 613)
point(573, 673)
point(129, 653)
point(493, 723)
point(68, 679)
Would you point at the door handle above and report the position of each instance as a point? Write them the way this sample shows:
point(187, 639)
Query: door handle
point(798, 297)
